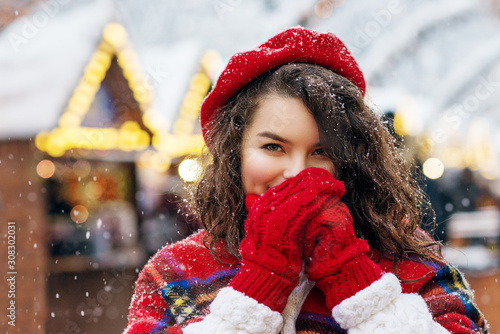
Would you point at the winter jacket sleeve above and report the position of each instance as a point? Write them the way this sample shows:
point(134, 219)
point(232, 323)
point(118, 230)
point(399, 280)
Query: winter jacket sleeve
point(182, 289)
point(176, 287)
point(149, 311)
point(450, 301)
point(170, 308)
point(442, 305)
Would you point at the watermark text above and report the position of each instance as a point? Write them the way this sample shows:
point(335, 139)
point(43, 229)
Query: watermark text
point(11, 273)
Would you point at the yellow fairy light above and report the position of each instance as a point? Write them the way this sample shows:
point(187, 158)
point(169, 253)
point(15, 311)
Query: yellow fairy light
point(115, 35)
point(41, 140)
point(102, 57)
point(142, 95)
point(210, 60)
point(56, 151)
point(94, 73)
point(190, 108)
point(179, 145)
point(75, 107)
point(200, 83)
point(132, 137)
point(130, 126)
point(192, 103)
point(97, 138)
point(86, 90)
point(128, 58)
point(155, 121)
point(56, 146)
point(69, 119)
point(183, 141)
point(211, 63)
point(183, 126)
point(130, 75)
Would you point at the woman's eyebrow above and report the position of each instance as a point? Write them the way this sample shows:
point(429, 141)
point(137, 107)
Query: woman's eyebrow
point(273, 136)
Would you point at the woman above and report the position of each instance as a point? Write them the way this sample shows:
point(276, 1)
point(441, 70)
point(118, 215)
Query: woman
point(311, 218)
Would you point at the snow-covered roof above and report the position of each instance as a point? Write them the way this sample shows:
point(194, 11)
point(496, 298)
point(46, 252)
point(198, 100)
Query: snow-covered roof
point(41, 62)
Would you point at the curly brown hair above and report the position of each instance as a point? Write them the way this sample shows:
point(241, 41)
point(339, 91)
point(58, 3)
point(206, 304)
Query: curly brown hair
point(382, 193)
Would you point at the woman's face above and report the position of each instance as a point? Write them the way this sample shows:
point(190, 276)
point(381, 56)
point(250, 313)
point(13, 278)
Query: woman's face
point(281, 141)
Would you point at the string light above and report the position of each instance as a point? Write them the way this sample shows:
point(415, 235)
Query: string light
point(190, 108)
point(70, 134)
point(183, 142)
point(211, 62)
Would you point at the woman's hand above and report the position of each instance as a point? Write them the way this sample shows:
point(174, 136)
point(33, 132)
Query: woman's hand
point(275, 227)
point(339, 264)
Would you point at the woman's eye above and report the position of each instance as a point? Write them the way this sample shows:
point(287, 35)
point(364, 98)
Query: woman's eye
point(319, 151)
point(272, 147)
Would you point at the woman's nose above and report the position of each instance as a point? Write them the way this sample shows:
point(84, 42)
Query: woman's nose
point(294, 167)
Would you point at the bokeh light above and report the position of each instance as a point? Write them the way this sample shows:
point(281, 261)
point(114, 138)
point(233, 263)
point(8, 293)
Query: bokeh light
point(82, 168)
point(189, 170)
point(433, 168)
point(94, 190)
point(323, 8)
point(45, 169)
point(79, 214)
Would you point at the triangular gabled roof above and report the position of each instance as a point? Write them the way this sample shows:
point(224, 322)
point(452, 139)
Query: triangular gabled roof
point(70, 134)
point(130, 136)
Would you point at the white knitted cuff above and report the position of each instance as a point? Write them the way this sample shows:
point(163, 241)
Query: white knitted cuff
point(382, 308)
point(233, 312)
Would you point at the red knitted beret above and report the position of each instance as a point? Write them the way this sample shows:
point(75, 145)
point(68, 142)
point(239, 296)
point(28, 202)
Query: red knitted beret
point(294, 45)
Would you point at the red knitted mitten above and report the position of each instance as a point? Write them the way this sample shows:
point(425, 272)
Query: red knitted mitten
point(271, 259)
point(339, 263)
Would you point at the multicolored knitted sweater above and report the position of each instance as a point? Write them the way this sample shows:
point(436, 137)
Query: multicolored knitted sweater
point(176, 293)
